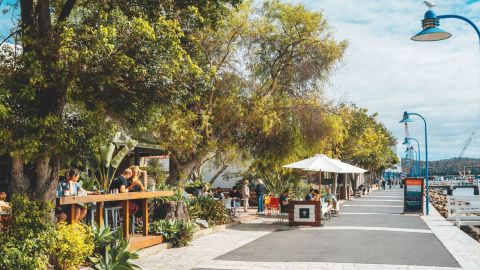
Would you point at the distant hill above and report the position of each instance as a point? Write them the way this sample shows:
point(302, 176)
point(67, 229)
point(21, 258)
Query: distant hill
point(450, 166)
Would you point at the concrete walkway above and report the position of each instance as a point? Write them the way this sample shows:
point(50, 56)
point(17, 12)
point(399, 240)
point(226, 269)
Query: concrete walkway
point(370, 233)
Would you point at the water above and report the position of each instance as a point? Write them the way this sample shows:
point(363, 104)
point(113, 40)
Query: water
point(463, 192)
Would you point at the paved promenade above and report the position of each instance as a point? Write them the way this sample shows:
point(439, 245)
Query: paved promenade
point(371, 233)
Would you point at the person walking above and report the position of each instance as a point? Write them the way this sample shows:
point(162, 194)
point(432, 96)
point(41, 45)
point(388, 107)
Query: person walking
point(260, 189)
point(245, 195)
point(383, 184)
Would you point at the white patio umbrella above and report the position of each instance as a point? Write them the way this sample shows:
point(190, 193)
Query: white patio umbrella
point(322, 163)
point(316, 163)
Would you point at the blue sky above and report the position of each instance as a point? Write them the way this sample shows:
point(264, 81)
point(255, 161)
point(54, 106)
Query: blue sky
point(387, 73)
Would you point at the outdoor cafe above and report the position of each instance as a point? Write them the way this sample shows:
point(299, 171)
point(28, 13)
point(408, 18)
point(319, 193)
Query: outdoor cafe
point(312, 213)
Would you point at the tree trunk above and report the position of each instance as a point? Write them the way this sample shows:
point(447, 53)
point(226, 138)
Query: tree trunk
point(179, 169)
point(173, 211)
point(219, 172)
point(38, 180)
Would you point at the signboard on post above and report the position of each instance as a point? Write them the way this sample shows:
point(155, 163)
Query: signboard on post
point(413, 195)
point(302, 213)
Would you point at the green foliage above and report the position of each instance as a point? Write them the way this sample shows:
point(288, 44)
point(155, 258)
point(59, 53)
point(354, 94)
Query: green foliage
point(116, 255)
point(74, 244)
point(179, 233)
point(156, 171)
point(278, 179)
point(108, 158)
point(103, 237)
point(28, 241)
point(208, 209)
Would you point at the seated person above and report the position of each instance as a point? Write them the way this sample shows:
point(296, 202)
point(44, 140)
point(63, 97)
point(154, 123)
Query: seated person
point(284, 201)
point(198, 191)
point(235, 194)
point(71, 185)
point(218, 194)
point(134, 184)
point(316, 195)
point(330, 199)
point(121, 184)
point(310, 196)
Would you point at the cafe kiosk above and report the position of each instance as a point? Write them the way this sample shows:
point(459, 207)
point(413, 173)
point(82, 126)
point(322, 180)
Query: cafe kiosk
point(414, 193)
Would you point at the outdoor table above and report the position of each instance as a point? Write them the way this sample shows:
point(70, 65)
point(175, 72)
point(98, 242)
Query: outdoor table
point(147, 240)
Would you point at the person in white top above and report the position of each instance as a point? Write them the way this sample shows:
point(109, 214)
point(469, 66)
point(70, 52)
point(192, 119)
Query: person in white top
point(245, 195)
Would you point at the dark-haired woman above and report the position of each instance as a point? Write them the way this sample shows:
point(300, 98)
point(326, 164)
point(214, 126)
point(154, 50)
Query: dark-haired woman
point(71, 187)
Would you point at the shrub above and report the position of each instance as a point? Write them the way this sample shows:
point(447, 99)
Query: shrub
point(179, 233)
point(116, 255)
point(210, 210)
point(102, 237)
point(26, 244)
point(74, 244)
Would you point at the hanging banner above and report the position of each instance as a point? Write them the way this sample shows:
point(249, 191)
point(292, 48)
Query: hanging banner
point(413, 195)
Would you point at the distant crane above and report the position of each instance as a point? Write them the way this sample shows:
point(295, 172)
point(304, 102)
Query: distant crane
point(467, 144)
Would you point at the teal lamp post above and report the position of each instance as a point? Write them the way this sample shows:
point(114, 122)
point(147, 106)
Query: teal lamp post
point(408, 152)
point(406, 119)
point(406, 142)
point(431, 30)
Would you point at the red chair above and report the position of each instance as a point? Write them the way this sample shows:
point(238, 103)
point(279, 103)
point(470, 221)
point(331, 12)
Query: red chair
point(274, 205)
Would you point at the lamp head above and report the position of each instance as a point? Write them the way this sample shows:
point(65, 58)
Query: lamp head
point(430, 31)
point(406, 141)
point(406, 118)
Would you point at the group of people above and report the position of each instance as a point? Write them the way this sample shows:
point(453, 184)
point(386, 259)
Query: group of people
point(329, 197)
point(128, 181)
point(244, 195)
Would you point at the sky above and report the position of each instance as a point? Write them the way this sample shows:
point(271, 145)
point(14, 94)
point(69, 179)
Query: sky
point(386, 72)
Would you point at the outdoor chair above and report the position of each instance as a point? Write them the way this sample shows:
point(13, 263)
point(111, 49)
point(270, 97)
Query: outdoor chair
point(227, 202)
point(267, 201)
point(274, 205)
point(335, 211)
point(324, 210)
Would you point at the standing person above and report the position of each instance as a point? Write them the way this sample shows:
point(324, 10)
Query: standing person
point(390, 183)
point(260, 189)
point(284, 201)
point(245, 195)
point(383, 184)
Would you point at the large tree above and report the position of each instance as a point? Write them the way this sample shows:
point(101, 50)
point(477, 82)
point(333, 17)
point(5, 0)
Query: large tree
point(87, 67)
point(269, 62)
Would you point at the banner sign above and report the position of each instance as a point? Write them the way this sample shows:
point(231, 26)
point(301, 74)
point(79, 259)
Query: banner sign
point(413, 195)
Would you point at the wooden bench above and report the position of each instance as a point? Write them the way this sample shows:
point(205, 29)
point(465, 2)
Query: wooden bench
point(464, 210)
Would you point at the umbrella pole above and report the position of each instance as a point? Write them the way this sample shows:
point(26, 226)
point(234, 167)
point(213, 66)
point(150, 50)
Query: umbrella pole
point(320, 181)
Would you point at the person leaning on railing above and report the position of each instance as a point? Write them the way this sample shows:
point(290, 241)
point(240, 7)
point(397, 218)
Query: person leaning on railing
point(121, 184)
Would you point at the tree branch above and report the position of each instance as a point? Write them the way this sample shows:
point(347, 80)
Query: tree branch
point(66, 10)
point(9, 36)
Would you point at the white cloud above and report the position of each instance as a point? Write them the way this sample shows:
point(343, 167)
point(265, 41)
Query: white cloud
point(387, 73)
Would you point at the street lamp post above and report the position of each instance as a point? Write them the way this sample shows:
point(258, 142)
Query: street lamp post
point(413, 171)
point(406, 118)
point(406, 142)
point(430, 25)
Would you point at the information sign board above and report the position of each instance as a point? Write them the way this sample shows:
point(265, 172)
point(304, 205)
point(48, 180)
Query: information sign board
point(413, 194)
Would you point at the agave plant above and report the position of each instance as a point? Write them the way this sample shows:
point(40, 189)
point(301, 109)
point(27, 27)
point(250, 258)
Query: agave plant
point(102, 237)
point(116, 256)
point(107, 159)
